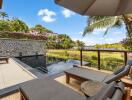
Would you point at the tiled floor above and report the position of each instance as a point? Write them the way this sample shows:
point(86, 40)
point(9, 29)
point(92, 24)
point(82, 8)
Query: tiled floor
point(15, 96)
point(12, 74)
point(74, 84)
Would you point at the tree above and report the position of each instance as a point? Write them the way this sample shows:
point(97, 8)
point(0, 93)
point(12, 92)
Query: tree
point(51, 42)
point(108, 22)
point(5, 26)
point(41, 29)
point(65, 41)
point(19, 26)
point(3, 15)
point(62, 41)
point(80, 44)
point(127, 43)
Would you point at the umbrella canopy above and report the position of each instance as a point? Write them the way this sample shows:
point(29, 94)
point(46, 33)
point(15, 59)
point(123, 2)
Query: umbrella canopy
point(0, 4)
point(98, 7)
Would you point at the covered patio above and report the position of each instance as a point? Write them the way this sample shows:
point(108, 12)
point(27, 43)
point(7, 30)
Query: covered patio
point(21, 85)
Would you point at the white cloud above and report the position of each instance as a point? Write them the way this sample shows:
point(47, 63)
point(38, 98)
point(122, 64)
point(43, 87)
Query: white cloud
point(99, 31)
point(94, 40)
point(117, 33)
point(80, 33)
point(85, 40)
point(47, 15)
point(67, 13)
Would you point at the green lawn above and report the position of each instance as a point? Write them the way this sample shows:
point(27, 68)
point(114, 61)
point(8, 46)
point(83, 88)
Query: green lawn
point(109, 61)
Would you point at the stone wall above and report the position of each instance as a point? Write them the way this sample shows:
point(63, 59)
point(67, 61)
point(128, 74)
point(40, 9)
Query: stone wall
point(15, 47)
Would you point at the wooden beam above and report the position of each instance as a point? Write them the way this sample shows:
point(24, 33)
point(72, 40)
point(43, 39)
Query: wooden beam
point(1, 3)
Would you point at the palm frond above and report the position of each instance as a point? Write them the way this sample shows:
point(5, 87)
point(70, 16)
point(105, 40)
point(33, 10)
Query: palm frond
point(106, 31)
point(98, 22)
point(118, 23)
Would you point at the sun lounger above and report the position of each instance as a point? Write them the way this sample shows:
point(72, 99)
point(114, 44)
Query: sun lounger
point(84, 74)
point(48, 89)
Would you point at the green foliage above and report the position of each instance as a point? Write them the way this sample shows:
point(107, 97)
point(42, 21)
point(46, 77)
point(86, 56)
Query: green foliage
point(117, 46)
point(80, 44)
point(3, 15)
point(21, 36)
point(15, 25)
point(18, 26)
point(111, 63)
point(5, 25)
point(127, 43)
point(41, 29)
point(62, 41)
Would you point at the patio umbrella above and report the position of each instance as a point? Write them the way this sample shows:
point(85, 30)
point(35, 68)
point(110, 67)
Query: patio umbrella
point(0, 4)
point(98, 7)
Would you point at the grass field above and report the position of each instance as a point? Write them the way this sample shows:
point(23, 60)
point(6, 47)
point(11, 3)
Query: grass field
point(109, 61)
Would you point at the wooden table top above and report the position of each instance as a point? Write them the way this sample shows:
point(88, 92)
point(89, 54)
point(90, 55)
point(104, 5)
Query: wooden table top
point(91, 88)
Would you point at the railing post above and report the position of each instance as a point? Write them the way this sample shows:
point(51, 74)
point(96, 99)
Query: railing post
point(98, 59)
point(125, 57)
point(81, 57)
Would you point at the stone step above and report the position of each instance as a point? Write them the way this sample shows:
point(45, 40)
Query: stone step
point(45, 70)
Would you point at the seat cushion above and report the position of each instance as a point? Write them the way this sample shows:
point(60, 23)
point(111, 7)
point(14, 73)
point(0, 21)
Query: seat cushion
point(118, 95)
point(48, 89)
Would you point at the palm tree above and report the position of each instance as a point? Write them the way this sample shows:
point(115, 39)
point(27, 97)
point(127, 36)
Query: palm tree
point(108, 22)
point(80, 44)
point(3, 15)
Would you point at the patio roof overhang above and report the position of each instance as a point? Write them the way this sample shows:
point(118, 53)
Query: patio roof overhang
point(98, 7)
point(1, 3)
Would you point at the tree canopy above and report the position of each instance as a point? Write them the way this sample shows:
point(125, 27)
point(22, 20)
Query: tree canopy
point(62, 41)
point(19, 26)
point(3, 15)
point(41, 29)
point(15, 25)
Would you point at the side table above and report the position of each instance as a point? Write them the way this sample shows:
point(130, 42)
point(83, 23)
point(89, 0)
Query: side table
point(91, 87)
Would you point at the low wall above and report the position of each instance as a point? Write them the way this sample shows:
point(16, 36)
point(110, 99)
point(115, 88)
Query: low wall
point(15, 47)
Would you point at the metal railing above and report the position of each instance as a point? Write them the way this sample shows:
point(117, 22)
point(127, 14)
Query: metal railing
point(103, 50)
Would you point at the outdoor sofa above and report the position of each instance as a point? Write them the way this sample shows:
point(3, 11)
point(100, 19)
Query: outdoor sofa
point(85, 74)
point(48, 89)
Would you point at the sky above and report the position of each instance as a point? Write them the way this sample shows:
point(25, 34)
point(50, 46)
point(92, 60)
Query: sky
point(59, 20)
